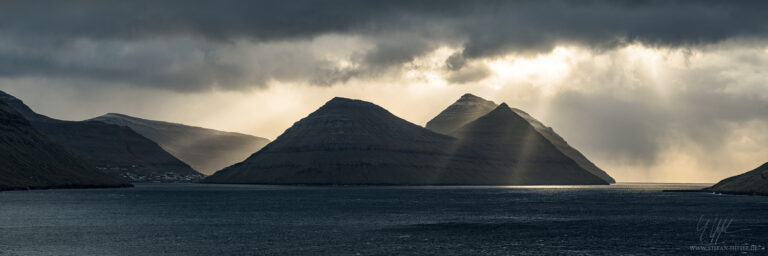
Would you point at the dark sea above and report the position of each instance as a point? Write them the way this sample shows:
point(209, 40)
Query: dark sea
point(197, 219)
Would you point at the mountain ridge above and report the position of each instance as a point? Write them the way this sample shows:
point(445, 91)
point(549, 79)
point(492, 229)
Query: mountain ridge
point(206, 150)
point(467, 108)
point(111, 148)
point(29, 160)
point(470, 106)
point(508, 139)
point(754, 182)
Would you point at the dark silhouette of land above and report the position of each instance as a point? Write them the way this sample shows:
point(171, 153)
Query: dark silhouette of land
point(754, 182)
point(114, 149)
point(466, 109)
point(205, 150)
point(29, 160)
point(509, 144)
point(470, 107)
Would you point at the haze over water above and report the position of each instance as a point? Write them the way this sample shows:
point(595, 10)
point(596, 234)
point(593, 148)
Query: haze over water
point(195, 219)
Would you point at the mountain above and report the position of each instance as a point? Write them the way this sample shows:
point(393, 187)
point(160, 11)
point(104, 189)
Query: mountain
point(115, 149)
point(29, 160)
point(753, 182)
point(470, 107)
point(509, 140)
point(206, 150)
point(356, 142)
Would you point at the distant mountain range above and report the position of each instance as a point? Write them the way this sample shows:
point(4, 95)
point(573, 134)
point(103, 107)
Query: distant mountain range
point(114, 149)
point(356, 142)
point(472, 142)
point(205, 150)
point(754, 182)
point(29, 160)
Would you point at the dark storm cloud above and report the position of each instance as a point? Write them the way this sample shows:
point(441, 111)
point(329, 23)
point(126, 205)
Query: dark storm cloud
point(214, 20)
point(536, 22)
point(35, 32)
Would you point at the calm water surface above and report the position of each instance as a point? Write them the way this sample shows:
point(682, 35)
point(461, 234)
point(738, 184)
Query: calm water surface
point(196, 219)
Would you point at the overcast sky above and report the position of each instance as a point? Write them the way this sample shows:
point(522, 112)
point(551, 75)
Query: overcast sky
point(649, 90)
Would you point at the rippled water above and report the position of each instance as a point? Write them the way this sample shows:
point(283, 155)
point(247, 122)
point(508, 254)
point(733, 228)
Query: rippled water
point(196, 219)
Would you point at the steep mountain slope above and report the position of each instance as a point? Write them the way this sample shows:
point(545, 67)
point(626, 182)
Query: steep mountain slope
point(355, 142)
point(116, 150)
point(470, 107)
point(752, 182)
point(563, 146)
point(28, 160)
point(518, 148)
point(206, 150)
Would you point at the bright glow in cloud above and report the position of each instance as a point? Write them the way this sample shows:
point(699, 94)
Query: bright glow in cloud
point(545, 71)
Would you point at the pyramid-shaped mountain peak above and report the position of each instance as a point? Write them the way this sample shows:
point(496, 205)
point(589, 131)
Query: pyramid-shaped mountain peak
point(510, 140)
point(496, 118)
point(340, 102)
point(500, 121)
point(471, 97)
point(343, 100)
point(467, 108)
point(342, 119)
point(501, 113)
